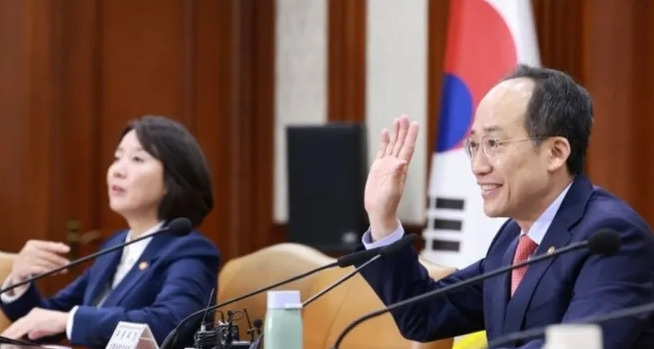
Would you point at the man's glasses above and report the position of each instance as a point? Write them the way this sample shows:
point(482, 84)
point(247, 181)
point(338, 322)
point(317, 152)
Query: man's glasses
point(490, 146)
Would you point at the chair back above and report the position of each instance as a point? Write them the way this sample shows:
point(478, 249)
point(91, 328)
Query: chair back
point(325, 318)
point(6, 262)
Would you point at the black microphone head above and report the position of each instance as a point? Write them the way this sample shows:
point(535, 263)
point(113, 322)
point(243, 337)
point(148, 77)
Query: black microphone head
point(395, 247)
point(605, 241)
point(257, 323)
point(180, 226)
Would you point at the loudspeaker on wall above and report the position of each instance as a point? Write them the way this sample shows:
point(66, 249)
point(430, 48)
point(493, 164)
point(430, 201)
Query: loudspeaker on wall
point(327, 170)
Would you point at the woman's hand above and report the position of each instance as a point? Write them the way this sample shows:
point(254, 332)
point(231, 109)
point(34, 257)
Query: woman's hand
point(38, 323)
point(36, 257)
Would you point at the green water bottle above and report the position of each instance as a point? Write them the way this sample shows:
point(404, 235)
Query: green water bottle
point(283, 323)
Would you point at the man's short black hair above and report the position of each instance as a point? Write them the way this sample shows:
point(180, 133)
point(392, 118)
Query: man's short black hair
point(558, 107)
point(187, 178)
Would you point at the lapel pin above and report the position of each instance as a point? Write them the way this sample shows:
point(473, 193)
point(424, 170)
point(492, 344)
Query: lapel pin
point(550, 250)
point(143, 265)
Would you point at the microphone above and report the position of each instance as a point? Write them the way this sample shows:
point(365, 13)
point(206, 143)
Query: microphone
point(178, 226)
point(206, 337)
point(540, 331)
point(255, 343)
point(345, 261)
point(384, 252)
point(258, 324)
point(604, 242)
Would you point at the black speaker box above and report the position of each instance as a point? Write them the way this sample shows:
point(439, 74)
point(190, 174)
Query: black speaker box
point(327, 171)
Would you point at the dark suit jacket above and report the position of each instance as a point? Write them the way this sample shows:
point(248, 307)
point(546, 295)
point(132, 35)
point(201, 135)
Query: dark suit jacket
point(567, 288)
point(178, 279)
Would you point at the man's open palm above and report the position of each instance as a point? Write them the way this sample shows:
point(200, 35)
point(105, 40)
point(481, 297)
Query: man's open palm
point(387, 176)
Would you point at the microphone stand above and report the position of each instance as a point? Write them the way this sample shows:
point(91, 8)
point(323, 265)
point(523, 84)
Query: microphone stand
point(175, 225)
point(444, 290)
point(339, 281)
point(257, 343)
point(540, 331)
point(348, 260)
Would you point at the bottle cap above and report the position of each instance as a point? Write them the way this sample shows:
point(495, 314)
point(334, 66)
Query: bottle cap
point(284, 300)
point(573, 336)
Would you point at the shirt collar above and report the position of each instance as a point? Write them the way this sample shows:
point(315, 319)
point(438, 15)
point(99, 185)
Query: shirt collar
point(542, 224)
point(150, 231)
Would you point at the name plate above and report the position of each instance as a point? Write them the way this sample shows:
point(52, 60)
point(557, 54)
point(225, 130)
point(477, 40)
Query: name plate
point(128, 335)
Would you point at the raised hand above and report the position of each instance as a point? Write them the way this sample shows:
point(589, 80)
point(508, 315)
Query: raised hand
point(36, 257)
point(387, 176)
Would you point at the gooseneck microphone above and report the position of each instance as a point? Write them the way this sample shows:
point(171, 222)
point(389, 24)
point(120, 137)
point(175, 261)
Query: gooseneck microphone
point(384, 252)
point(345, 261)
point(179, 226)
point(604, 242)
point(540, 331)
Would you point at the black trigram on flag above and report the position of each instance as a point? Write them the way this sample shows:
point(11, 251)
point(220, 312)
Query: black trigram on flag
point(444, 224)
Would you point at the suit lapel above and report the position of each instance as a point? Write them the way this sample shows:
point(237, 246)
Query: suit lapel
point(501, 282)
point(558, 235)
point(140, 268)
point(105, 269)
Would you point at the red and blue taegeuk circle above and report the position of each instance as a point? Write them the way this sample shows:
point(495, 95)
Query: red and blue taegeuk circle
point(480, 50)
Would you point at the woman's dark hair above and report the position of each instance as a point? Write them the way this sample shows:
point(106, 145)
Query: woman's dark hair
point(187, 178)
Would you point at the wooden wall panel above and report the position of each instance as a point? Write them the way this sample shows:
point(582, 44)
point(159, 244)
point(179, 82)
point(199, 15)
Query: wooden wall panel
point(346, 61)
point(27, 90)
point(188, 41)
point(214, 113)
point(208, 64)
point(140, 72)
point(618, 69)
point(263, 232)
point(26, 95)
point(74, 204)
point(14, 92)
point(642, 144)
point(74, 122)
point(608, 75)
point(73, 72)
point(248, 126)
point(559, 30)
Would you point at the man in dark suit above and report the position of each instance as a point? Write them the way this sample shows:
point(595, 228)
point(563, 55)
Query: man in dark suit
point(527, 148)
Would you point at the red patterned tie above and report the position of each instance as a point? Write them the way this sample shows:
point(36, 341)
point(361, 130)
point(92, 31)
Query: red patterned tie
point(526, 247)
